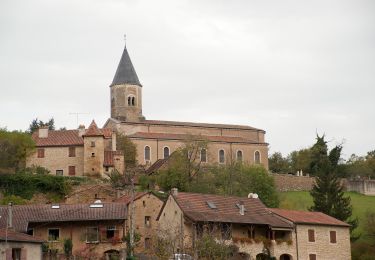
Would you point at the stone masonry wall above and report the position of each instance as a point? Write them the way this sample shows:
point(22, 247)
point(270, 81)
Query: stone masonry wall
point(287, 182)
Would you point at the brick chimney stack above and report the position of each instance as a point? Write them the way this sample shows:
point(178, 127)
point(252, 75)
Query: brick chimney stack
point(43, 132)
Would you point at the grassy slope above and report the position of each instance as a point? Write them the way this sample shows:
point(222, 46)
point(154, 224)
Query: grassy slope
point(301, 200)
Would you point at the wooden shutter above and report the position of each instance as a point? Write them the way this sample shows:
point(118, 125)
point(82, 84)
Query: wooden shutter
point(312, 256)
point(23, 254)
point(332, 236)
point(72, 151)
point(72, 170)
point(311, 233)
point(41, 153)
point(8, 254)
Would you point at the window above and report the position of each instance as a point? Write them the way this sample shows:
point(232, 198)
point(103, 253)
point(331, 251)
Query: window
point(59, 172)
point(41, 153)
point(111, 230)
point(53, 234)
point(16, 254)
point(72, 152)
point(147, 243)
point(312, 256)
point(239, 156)
point(92, 154)
point(199, 229)
point(144, 203)
point(92, 235)
point(221, 156)
point(147, 153)
point(131, 101)
point(257, 157)
point(166, 152)
point(226, 231)
point(147, 221)
point(311, 234)
point(332, 237)
point(93, 144)
point(72, 170)
point(203, 155)
point(30, 231)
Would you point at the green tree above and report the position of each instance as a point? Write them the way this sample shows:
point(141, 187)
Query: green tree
point(278, 164)
point(15, 147)
point(36, 124)
point(328, 193)
point(300, 160)
point(124, 144)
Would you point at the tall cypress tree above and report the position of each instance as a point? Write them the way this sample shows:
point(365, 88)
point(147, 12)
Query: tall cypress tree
point(328, 193)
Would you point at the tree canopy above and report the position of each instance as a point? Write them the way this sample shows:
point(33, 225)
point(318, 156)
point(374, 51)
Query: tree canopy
point(36, 124)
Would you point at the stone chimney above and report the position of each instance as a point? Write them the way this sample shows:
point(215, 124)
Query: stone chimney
point(114, 141)
point(242, 208)
point(43, 132)
point(174, 192)
point(81, 130)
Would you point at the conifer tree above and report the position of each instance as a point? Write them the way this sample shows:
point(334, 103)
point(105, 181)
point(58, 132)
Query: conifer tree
point(328, 193)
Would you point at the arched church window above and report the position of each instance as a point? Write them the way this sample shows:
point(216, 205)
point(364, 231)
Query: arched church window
point(239, 156)
point(221, 156)
point(129, 101)
point(203, 155)
point(133, 101)
point(147, 153)
point(257, 157)
point(166, 152)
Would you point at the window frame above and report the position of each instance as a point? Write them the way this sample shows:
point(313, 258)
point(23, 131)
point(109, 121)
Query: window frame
point(97, 235)
point(92, 144)
point(62, 172)
point(237, 157)
point(330, 236)
point(313, 237)
point(219, 156)
point(255, 157)
point(110, 229)
point(71, 170)
point(40, 153)
point(169, 152)
point(147, 221)
point(205, 155)
point(48, 235)
point(72, 151)
point(149, 153)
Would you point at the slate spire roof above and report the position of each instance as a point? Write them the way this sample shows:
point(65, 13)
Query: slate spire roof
point(125, 73)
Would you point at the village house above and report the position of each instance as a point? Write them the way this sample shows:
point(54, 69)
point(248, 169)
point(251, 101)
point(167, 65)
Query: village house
point(146, 210)
point(83, 152)
point(157, 139)
point(319, 236)
point(16, 245)
point(255, 229)
point(245, 222)
point(95, 229)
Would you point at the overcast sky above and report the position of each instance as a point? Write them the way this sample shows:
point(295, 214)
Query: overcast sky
point(292, 68)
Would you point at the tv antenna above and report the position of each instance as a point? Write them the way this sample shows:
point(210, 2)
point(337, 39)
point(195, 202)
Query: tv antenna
point(77, 114)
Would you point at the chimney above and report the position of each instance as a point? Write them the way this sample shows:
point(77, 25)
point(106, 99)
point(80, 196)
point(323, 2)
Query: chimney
point(43, 132)
point(10, 215)
point(114, 141)
point(174, 191)
point(81, 130)
point(242, 208)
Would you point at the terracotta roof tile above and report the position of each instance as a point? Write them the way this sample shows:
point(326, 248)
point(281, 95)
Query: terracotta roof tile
point(93, 130)
point(107, 132)
point(195, 124)
point(109, 157)
point(18, 237)
point(308, 217)
point(227, 139)
point(24, 214)
point(195, 206)
point(58, 138)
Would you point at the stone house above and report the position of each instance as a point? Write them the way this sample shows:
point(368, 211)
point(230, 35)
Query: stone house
point(146, 210)
point(319, 236)
point(157, 139)
point(244, 222)
point(95, 229)
point(16, 245)
point(87, 193)
point(82, 152)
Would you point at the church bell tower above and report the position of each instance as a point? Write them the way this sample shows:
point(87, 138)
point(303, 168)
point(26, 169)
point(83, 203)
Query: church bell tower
point(126, 92)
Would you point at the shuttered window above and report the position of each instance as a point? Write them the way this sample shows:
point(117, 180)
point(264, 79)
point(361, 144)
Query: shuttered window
point(311, 233)
point(312, 256)
point(332, 236)
point(72, 170)
point(41, 153)
point(72, 152)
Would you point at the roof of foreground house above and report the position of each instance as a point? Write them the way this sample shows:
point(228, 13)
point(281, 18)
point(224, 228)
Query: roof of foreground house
point(25, 214)
point(308, 217)
point(217, 208)
point(13, 236)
